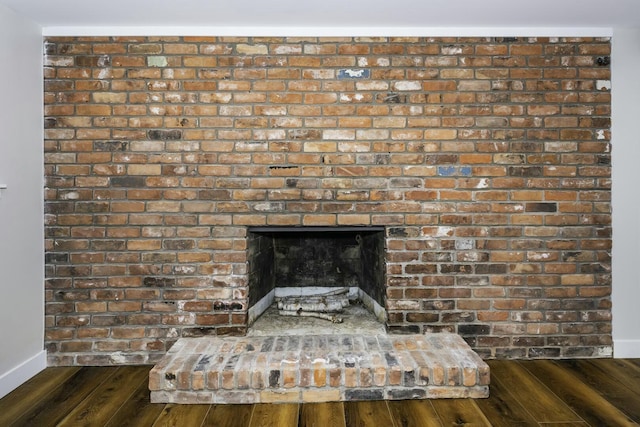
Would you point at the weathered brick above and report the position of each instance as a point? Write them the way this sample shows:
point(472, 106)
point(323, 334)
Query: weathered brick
point(161, 154)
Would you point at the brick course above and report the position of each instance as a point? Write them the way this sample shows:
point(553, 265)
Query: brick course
point(487, 159)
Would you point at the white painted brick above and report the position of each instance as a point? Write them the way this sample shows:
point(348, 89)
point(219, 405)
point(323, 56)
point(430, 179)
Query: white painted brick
point(407, 85)
point(338, 134)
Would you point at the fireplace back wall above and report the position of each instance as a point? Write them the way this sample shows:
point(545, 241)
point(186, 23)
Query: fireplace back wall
point(316, 257)
point(485, 160)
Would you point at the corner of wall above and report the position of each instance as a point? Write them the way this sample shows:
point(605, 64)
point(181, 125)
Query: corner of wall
point(15, 377)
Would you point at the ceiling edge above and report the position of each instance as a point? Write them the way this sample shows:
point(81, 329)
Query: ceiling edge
point(51, 31)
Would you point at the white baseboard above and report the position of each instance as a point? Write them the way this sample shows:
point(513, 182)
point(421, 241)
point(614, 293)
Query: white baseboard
point(625, 349)
point(12, 379)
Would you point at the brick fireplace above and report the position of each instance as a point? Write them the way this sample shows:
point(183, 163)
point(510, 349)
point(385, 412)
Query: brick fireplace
point(483, 164)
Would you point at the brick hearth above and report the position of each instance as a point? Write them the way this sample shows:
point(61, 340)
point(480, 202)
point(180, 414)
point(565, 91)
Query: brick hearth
point(318, 368)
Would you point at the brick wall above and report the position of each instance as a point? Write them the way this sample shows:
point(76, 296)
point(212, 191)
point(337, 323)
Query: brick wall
point(487, 159)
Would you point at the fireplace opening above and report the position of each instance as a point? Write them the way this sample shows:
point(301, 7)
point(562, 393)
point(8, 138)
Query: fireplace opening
point(306, 265)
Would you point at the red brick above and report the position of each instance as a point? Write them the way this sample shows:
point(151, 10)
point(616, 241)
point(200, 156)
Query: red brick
point(267, 124)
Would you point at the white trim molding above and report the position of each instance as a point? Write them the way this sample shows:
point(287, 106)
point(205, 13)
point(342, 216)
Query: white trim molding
point(9, 381)
point(94, 31)
point(626, 349)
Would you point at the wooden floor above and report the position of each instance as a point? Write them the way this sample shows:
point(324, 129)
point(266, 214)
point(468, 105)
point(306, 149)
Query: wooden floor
point(523, 393)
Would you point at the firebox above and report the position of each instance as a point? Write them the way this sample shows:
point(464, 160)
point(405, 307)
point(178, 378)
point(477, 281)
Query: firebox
point(316, 261)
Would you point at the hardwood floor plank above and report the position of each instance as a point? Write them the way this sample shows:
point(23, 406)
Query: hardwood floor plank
point(367, 413)
point(502, 409)
point(414, 413)
point(540, 402)
point(182, 415)
point(57, 404)
point(274, 415)
point(584, 400)
point(577, 393)
point(575, 424)
point(458, 412)
point(598, 376)
point(137, 410)
point(635, 362)
point(623, 371)
point(322, 414)
point(228, 416)
point(25, 397)
point(107, 398)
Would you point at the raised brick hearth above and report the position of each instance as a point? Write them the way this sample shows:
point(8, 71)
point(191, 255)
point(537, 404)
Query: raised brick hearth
point(318, 368)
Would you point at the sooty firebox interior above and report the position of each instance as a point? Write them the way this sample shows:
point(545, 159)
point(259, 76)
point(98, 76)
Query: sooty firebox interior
point(286, 258)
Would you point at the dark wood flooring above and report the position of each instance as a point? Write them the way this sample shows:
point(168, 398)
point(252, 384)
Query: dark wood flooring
point(602, 392)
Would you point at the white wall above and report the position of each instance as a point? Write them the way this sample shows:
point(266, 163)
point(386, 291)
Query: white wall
point(21, 204)
point(625, 91)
